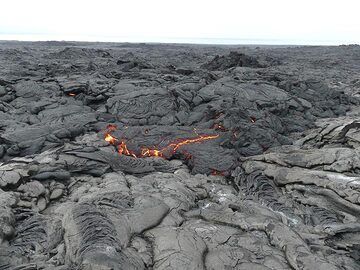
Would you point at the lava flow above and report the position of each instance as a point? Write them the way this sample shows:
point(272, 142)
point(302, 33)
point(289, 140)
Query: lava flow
point(152, 152)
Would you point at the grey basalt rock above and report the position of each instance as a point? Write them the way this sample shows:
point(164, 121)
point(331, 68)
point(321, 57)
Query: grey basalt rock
point(274, 186)
point(9, 178)
point(187, 249)
point(29, 89)
point(2, 91)
point(7, 218)
point(142, 104)
point(233, 59)
point(279, 235)
point(34, 236)
point(118, 217)
point(32, 189)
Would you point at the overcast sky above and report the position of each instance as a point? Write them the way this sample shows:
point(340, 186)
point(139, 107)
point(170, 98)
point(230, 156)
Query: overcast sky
point(199, 21)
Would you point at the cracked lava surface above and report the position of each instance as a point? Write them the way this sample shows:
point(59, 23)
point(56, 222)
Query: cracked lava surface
point(156, 156)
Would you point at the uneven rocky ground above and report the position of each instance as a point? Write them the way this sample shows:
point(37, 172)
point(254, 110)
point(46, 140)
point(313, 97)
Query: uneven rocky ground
point(151, 156)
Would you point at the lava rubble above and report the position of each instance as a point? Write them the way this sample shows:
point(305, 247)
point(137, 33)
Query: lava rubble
point(156, 156)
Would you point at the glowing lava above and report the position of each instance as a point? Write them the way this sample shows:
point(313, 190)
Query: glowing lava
point(189, 141)
point(146, 152)
point(153, 152)
point(110, 139)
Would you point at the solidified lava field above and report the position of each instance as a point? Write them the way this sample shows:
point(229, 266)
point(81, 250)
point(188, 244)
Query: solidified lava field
point(158, 156)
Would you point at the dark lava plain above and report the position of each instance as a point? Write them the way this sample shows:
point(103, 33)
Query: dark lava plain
point(275, 184)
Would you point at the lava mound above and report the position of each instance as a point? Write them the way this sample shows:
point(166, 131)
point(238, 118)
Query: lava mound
point(237, 59)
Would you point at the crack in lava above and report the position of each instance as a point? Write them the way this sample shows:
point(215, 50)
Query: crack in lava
point(152, 152)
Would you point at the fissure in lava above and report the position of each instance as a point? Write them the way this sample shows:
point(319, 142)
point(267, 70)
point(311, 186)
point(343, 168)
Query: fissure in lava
point(164, 152)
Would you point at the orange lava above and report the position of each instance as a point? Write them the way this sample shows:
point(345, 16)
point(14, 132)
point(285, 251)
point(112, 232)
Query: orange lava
point(195, 140)
point(123, 150)
point(146, 152)
point(153, 152)
point(72, 94)
point(110, 139)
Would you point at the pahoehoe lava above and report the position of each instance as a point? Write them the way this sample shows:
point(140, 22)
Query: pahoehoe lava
point(157, 156)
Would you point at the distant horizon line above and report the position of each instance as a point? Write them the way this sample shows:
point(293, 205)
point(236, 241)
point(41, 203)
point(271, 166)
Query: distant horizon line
point(174, 40)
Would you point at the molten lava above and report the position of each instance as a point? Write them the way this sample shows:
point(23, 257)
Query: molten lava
point(170, 149)
point(123, 150)
point(146, 152)
point(110, 139)
point(189, 141)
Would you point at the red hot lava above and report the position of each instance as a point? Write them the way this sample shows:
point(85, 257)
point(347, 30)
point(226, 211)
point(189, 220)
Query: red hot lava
point(152, 152)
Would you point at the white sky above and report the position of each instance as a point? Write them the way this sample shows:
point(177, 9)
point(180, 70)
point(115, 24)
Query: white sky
point(200, 21)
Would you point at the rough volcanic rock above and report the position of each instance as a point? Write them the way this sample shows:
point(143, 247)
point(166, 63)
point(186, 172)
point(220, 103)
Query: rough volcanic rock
point(233, 59)
point(156, 156)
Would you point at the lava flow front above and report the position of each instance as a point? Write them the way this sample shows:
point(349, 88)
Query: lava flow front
point(166, 151)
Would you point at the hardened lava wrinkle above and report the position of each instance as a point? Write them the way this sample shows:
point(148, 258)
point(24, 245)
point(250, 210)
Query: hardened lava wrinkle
point(157, 156)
